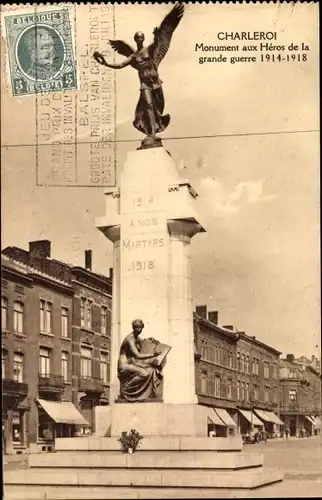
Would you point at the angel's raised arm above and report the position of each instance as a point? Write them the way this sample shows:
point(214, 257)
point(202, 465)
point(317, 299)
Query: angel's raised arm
point(101, 60)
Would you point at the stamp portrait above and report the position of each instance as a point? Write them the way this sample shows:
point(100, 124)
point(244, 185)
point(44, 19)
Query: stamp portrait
point(40, 52)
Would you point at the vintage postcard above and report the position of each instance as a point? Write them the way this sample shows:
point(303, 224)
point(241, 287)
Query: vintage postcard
point(160, 300)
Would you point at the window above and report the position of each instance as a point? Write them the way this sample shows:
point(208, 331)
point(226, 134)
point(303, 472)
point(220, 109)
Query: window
point(104, 367)
point(3, 363)
point(86, 313)
point(247, 391)
point(230, 359)
point(64, 322)
point(206, 349)
point(18, 367)
point(202, 348)
point(204, 382)
point(44, 362)
point(238, 361)
point(242, 392)
point(17, 427)
point(4, 313)
point(266, 395)
point(86, 362)
point(238, 389)
point(217, 387)
point(242, 363)
point(255, 366)
point(229, 389)
point(64, 365)
point(46, 316)
point(275, 394)
point(266, 369)
point(255, 393)
point(18, 309)
point(292, 395)
point(247, 364)
point(105, 320)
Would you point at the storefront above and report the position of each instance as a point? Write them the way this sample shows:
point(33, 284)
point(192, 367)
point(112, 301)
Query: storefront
point(278, 423)
point(271, 422)
point(308, 426)
point(57, 419)
point(216, 427)
point(248, 421)
point(231, 426)
point(317, 426)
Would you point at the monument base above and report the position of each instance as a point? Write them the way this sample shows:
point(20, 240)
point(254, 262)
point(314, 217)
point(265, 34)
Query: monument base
point(162, 467)
point(160, 419)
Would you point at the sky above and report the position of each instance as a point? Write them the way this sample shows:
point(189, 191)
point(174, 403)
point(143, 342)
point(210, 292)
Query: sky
point(258, 264)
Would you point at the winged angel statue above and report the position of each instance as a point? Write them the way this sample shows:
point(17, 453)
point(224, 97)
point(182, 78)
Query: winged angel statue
point(149, 118)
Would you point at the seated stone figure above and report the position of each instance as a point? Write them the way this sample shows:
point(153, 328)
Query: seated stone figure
point(140, 366)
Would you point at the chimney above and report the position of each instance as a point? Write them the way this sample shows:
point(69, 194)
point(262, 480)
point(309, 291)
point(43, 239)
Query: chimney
point(202, 311)
point(290, 357)
point(88, 260)
point(39, 249)
point(111, 273)
point(213, 317)
point(229, 327)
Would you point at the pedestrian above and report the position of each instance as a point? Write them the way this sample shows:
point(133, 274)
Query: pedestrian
point(287, 432)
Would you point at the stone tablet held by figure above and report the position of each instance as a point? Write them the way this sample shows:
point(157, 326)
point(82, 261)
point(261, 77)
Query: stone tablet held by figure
point(140, 366)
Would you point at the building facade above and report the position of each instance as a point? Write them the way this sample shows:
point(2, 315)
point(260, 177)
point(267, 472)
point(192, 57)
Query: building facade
point(215, 368)
point(300, 396)
point(55, 346)
point(237, 373)
point(257, 385)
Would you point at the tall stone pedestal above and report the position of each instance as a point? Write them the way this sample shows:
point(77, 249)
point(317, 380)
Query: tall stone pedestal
point(151, 219)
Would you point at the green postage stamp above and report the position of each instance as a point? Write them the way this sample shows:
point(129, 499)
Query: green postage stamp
point(40, 52)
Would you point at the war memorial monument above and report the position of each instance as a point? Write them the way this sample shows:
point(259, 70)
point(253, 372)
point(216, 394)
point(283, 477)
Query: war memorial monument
point(150, 219)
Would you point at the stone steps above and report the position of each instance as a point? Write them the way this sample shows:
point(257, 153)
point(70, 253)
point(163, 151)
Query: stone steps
point(162, 478)
point(166, 467)
point(166, 443)
point(142, 460)
point(103, 493)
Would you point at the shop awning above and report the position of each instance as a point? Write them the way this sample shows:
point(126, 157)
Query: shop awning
point(309, 419)
point(213, 417)
point(318, 421)
point(263, 415)
point(314, 419)
point(63, 413)
point(225, 417)
point(274, 418)
point(251, 417)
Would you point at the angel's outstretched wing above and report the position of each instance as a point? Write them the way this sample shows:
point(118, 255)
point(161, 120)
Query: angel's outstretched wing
point(163, 34)
point(121, 47)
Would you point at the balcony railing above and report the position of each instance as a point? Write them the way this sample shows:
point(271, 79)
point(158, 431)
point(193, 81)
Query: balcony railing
point(296, 408)
point(51, 383)
point(14, 388)
point(90, 384)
